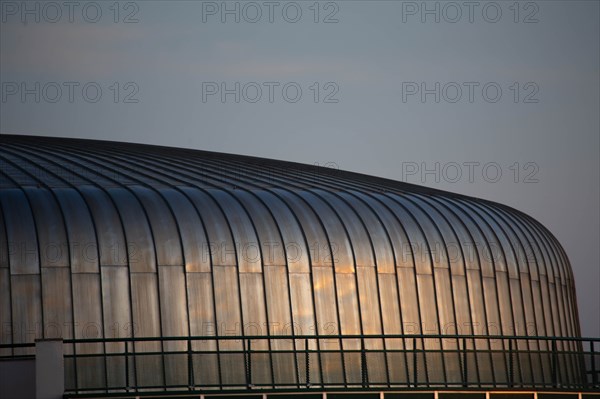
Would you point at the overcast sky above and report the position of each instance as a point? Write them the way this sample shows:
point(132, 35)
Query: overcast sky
point(499, 100)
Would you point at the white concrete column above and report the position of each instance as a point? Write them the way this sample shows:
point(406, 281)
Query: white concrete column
point(49, 369)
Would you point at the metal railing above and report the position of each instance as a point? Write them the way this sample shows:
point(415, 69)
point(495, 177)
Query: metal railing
point(292, 363)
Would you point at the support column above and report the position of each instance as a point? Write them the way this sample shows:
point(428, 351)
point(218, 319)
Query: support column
point(49, 369)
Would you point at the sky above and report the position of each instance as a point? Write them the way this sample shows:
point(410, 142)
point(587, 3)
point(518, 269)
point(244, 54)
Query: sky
point(493, 99)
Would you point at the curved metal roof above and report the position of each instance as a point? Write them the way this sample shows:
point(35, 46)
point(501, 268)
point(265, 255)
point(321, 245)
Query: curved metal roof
point(106, 238)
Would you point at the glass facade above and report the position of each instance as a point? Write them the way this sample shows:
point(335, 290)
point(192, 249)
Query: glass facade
point(115, 240)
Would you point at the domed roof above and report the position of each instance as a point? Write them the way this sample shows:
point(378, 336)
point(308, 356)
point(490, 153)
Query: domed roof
point(160, 241)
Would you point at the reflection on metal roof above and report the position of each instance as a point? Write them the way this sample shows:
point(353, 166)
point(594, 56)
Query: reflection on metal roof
point(112, 240)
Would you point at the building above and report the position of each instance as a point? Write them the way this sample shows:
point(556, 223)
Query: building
point(173, 269)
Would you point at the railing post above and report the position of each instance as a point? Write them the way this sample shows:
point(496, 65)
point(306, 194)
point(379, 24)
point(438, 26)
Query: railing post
point(465, 365)
point(511, 365)
point(554, 363)
point(594, 374)
point(415, 375)
point(249, 365)
point(363, 364)
point(307, 362)
point(127, 366)
point(132, 354)
point(190, 365)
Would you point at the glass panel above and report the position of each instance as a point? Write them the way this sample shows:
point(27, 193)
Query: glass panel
point(220, 243)
point(378, 237)
point(430, 325)
point(302, 304)
point(6, 325)
point(509, 241)
point(297, 255)
point(411, 319)
point(26, 310)
point(494, 254)
point(348, 303)
point(360, 241)
point(88, 324)
point(255, 323)
point(500, 245)
point(548, 315)
point(195, 245)
point(270, 240)
point(572, 330)
point(491, 306)
point(538, 322)
point(318, 245)
point(202, 323)
point(15, 174)
point(244, 236)
point(445, 301)
point(369, 300)
point(459, 244)
point(69, 364)
point(400, 244)
point(278, 305)
point(531, 250)
point(559, 305)
point(563, 265)
point(448, 323)
point(505, 300)
point(479, 323)
point(554, 269)
point(572, 316)
point(327, 323)
point(427, 299)
point(462, 305)
point(111, 241)
point(117, 319)
point(409, 301)
point(140, 245)
point(392, 324)
point(494, 327)
point(23, 252)
point(417, 247)
point(174, 321)
point(439, 236)
point(390, 308)
point(529, 311)
point(518, 305)
point(371, 321)
point(538, 306)
point(3, 242)
point(229, 322)
point(146, 322)
point(560, 345)
point(82, 245)
point(338, 241)
point(165, 233)
point(304, 323)
point(145, 310)
point(427, 222)
point(541, 250)
point(478, 254)
point(56, 303)
point(50, 228)
point(173, 302)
